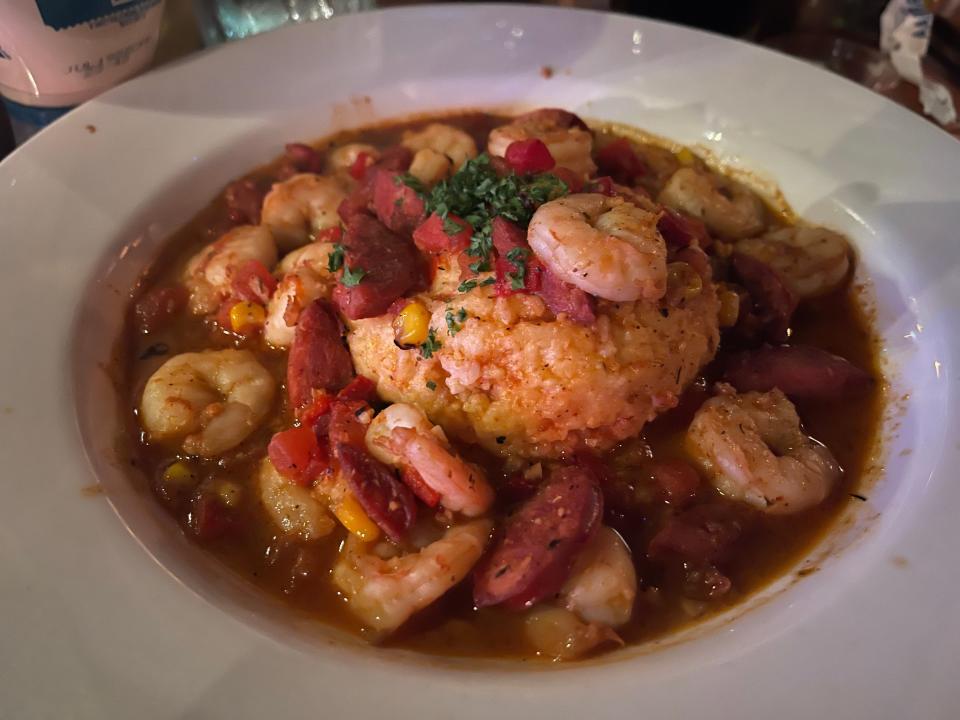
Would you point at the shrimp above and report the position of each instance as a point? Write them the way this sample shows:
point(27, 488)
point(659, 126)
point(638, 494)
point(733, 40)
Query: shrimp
point(212, 399)
point(727, 207)
point(605, 246)
point(603, 583)
point(753, 449)
point(384, 593)
point(300, 206)
point(341, 159)
point(403, 437)
point(209, 272)
point(570, 144)
point(444, 140)
point(293, 508)
point(558, 633)
point(305, 277)
point(813, 260)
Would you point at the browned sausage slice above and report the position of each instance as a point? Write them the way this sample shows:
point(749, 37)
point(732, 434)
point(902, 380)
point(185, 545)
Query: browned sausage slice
point(396, 204)
point(391, 265)
point(802, 372)
point(318, 358)
point(562, 297)
point(388, 502)
point(539, 543)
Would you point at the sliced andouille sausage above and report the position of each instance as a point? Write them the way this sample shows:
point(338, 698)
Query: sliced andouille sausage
point(397, 205)
point(388, 266)
point(244, 198)
point(802, 372)
point(562, 297)
point(318, 360)
point(344, 426)
point(388, 502)
point(772, 297)
point(533, 556)
point(700, 535)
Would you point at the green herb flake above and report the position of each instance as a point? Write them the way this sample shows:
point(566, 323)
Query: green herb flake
point(455, 321)
point(518, 256)
point(431, 385)
point(335, 259)
point(451, 227)
point(411, 182)
point(431, 346)
point(352, 276)
point(467, 286)
point(488, 281)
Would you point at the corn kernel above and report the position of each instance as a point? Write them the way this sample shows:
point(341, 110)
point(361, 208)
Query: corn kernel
point(179, 474)
point(411, 325)
point(354, 519)
point(685, 157)
point(246, 314)
point(429, 166)
point(683, 282)
point(729, 307)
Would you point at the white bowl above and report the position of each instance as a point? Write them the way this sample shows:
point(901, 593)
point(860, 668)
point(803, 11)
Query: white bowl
point(91, 628)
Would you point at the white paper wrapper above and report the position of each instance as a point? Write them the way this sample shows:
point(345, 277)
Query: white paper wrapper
point(905, 28)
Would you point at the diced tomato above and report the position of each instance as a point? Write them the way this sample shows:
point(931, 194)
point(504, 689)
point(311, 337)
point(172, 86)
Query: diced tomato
point(360, 388)
point(316, 409)
point(158, 307)
point(297, 455)
point(529, 156)
point(619, 161)
point(414, 480)
point(681, 231)
point(569, 178)
point(360, 165)
point(432, 234)
point(345, 427)
point(252, 282)
point(506, 235)
point(505, 268)
point(330, 235)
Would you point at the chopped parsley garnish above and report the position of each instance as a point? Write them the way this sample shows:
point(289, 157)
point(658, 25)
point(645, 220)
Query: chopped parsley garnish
point(352, 276)
point(455, 320)
point(451, 227)
point(518, 256)
point(477, 194)
point(431, 385)
point(467, 286)
point(411, 182)
point(488, 281)
point(428, 348)
point(335, 259)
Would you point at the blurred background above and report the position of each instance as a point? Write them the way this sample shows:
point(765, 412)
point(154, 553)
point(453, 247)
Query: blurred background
point(842, 35)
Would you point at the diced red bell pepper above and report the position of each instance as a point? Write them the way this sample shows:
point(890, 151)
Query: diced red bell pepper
point(529, 156)
point(297, 455)
point(431, 235)
point(619, 161)
point(252, 282)
point(360, 388)
point(681, 231)
point(359, 167)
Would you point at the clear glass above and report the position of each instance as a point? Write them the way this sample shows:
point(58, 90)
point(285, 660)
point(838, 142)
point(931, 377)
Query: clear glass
point(222, 20)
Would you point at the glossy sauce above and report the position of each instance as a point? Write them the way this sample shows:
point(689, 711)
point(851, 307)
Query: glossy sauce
point(300, 574)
